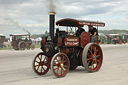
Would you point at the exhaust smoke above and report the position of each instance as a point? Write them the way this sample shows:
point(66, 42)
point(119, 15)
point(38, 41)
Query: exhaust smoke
point(52, 5)
point(16, 24)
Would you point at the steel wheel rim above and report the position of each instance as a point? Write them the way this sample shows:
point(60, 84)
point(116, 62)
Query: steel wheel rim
point(93, 58)
point(22, 46)
point(41, 64)
point(60, 65)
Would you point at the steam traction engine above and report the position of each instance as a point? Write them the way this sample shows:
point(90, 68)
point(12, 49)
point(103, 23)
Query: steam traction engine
point(64, 52)
point(22, 41)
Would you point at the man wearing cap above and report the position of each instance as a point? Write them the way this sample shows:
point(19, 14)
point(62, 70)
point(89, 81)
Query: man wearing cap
point(93, 33)
point(79, 31)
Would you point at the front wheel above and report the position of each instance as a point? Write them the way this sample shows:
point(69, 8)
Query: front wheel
point(60, 64)
point(28, 46)
point(32, 47)
point(41, 64)
point(92, 57)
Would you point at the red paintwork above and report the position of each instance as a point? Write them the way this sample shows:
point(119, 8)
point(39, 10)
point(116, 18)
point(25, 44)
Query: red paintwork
point(81, 57)
point(124, 42)
point(59, 41)
point(120, 42)
point(43, 41)
point(85, 39)
point(76, 23)
point(66, 50)
point(15, 44)
point(65, 62)
point(91, 23)
point(99, 58)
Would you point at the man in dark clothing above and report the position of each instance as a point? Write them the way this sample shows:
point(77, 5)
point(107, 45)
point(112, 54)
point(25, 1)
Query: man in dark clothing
point(93, 33)
point(79, 31)
point(74, 59)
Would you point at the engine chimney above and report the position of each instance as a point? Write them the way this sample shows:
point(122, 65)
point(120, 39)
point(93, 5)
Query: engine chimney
point(51, 23)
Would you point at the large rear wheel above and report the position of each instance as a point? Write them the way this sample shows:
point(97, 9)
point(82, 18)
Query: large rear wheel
point(22, 45)
point(41, 64)
point(92, 57)
point(60, 64)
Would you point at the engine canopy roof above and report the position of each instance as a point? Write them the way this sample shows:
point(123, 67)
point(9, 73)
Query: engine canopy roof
point(76, 23)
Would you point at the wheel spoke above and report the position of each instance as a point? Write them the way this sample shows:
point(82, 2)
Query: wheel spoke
point(92, 65)
point(89, 59)
point(90, 51)
point(88, 62)
point(39, 58)
point(63, 60)
point(57, 60)
point(98, 61)
point(42, 68)
point(37, 65)
point(38, 68)
point(89, 56)
point(95, 51)
point(94, 48)
point(98, 55)
point(56, 68)
point(55, 64)
point(44, 59)
point(61, 70)
point(47, 64)
point(37, 61)
point(65, 66)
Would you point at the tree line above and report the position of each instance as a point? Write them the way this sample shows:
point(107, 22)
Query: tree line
point(100, 31)
point(113, 31)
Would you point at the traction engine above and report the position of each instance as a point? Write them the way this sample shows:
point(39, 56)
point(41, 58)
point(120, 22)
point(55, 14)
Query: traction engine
point(62, 52)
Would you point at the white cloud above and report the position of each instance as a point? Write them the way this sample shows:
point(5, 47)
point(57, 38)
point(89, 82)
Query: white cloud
point(33, 14)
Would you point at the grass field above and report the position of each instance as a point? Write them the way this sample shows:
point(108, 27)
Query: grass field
point(10, 47)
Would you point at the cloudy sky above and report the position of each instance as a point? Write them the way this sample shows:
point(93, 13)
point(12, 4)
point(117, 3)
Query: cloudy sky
point(32, 15)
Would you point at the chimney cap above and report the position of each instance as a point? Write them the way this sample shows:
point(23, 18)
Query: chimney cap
point(52, 13)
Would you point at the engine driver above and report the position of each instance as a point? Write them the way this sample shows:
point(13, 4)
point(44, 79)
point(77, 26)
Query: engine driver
point(79, 30)
point(74, 58)
point(93, 33)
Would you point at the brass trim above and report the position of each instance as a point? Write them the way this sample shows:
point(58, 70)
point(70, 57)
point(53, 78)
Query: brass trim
point(52, 13)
